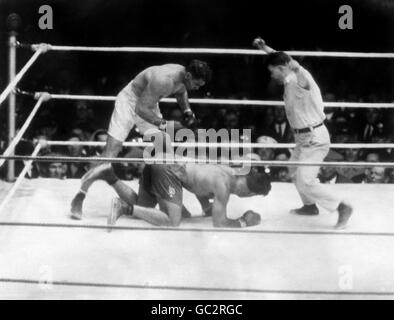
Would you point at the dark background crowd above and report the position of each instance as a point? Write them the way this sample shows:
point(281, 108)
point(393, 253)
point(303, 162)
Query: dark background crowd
point(286, 25)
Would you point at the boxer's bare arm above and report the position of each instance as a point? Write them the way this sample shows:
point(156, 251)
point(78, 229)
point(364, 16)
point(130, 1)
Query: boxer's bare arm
point(219, 208)
point(206, 205)
point(150, 96)
point(183, 100)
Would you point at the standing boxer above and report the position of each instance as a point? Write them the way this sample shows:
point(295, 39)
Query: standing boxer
point(305, 112)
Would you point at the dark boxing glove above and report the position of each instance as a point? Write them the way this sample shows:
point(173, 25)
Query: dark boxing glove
point(165, 125)
point(250, 218)
point(189, 120)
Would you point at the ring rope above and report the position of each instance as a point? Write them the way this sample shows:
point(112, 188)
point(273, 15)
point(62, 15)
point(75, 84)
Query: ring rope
point(39, 50)
point(153, 160)
point(19, 180)
point(190, 288)
point(20, 74)
point(203, 230)
point(223, 145)
point(214, 51)
point(17, 138)
point(376, 105)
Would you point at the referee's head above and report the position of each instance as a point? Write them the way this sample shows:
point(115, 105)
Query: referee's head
point(278, 65)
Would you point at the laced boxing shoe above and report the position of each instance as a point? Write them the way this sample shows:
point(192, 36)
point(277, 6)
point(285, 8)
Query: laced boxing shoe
point(118, 208)
point(101, 172)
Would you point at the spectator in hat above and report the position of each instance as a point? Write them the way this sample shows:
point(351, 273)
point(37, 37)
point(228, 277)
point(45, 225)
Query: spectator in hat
point(266, 154)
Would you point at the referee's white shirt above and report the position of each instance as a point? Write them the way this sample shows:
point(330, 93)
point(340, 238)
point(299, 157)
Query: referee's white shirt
point(304, 107)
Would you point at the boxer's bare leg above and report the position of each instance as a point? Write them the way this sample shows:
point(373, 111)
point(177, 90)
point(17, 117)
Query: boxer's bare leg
point(147, 213)
point(126, 193)
point(145, 207)
point(111, 150)
point(174, 212)
point(151, 215)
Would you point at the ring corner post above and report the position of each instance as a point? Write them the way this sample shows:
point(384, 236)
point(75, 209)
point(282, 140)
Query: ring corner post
point(11, 100)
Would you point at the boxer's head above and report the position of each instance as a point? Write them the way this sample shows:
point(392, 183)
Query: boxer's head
point(278, 65)
point(198, 73)
point(255, 183)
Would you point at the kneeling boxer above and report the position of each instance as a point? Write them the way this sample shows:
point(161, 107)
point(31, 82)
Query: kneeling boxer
point(163, 184)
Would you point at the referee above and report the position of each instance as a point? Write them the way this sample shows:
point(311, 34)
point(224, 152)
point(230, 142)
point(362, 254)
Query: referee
point(305, 112)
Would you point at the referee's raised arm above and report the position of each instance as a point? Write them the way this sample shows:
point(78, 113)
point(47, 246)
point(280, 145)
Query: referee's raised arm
point(294, 65)
point(260, 44)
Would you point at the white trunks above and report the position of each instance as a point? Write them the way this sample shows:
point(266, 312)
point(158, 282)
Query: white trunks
point(124, 117)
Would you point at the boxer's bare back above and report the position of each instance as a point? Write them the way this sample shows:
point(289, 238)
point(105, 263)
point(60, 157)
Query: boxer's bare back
point(206, 180)
point(155, 83)
point(212, 185)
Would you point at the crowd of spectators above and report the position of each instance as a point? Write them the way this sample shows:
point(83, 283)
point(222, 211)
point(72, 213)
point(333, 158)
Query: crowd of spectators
point(77, 121)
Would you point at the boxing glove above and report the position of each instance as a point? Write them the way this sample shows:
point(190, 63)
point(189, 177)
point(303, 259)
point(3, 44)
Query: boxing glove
point(250, 218)
point(189, 120)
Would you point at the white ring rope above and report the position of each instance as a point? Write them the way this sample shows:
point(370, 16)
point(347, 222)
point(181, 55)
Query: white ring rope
point(169, 160)
point(228, 101)
point(220, 51)
point(22, 130)
point(20, 74)
point(19, 180)
point(224, 145)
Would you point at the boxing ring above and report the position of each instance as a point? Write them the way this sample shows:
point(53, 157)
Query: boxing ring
point(46, 255)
